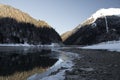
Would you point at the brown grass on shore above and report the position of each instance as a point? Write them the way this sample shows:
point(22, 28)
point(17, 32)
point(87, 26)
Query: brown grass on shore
point(23, 75)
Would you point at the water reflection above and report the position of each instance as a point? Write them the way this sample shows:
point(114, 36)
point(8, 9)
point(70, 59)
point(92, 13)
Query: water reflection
point(18, 59)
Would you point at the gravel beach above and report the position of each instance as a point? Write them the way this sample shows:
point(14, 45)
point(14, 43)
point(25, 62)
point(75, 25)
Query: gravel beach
point(94, 65)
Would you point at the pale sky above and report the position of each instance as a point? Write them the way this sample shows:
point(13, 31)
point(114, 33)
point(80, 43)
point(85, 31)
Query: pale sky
point(62, 15)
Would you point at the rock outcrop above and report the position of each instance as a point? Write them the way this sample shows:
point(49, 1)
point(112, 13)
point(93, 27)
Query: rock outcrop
point(95, 29)
point(18, 27)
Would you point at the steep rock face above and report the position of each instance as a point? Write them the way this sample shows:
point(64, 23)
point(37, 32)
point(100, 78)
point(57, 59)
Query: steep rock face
point(95, 30)
point(19, 27)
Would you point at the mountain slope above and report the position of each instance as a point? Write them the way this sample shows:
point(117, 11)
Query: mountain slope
point(18, 27)
point(8, 11)
point(100, 27)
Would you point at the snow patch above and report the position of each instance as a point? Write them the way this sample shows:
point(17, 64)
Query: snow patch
point(58, 76)
point(29, 45)
point(105, 12)
point(94, 25)
point(48, 74)
point(25, 44)
point(64, 63)
point(111, 46)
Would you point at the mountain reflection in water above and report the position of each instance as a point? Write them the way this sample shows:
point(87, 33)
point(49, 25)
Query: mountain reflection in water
point(19, 59)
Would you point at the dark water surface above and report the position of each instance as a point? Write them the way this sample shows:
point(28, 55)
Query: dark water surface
point(21, 58)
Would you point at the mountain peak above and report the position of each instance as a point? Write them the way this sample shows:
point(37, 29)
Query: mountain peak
point(102, 26)
point(105, 12)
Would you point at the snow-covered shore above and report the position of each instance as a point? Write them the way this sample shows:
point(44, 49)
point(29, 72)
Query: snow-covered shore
point(111, 46)
point(29, 45)
point(57, 71)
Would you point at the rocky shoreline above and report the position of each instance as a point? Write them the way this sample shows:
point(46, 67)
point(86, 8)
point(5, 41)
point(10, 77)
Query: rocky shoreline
point(94, 65)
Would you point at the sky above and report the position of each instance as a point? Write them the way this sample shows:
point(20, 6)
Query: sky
point(62, 15)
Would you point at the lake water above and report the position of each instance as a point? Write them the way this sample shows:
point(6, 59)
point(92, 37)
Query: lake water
point(22, 58)
point(15, 60)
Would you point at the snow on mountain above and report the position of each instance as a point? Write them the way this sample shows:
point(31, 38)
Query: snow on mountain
point(110, 45)
point(102, 26)
point(105, 12)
